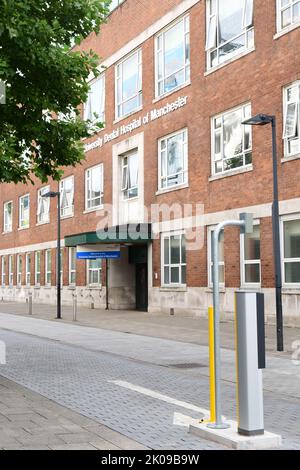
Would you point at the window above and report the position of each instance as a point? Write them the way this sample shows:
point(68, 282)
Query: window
point(291, 251)
point(7, 223)
point(173, 160)
point(72, 266)
point(19, 270)
point(94, 108)
point(48, 263)
point(61, 267)
point(94, 272)
point(11, 270)
point(3, 270)
point(94, 187)
point(129, 85)
point(28, 269)
point(250, 257)
point(231, 141)
point(115, 4)
point(173, 57)
point(210, 258)
point(43, 206)
point(174, 260)
point(291, 131)
point(37, 268)
point(67, 197)
point(229, 29)
point(288, 13)
point(24, 211)
point(130, 175)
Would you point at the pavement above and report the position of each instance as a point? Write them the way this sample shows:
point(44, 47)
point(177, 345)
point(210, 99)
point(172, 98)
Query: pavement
point(146, 388)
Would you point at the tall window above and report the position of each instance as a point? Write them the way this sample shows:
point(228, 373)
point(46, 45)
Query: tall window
point(72, 266)
point(19, 269)
point(67, 196)
point(129, 84)
point(61, 267)
point(28, 269)
point(288, 13)
point(231, 141)
point(37, 268)
point(7, 222)
point(94, 187)
point(94, 268)
point(291, 250)
point(221, 258)
point(229, 29)
point(173, 160)
point(174, 260)
point(94, 108)
point(291, 130)
point(43, 206)
point(130, 175)
point(24, 211)
point(3, 270)
point(250, 257)
point(11, 270)
point(173, 57)
point(48, 270)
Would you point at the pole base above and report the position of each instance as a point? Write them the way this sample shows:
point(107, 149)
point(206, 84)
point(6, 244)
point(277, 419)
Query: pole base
point(218, 426)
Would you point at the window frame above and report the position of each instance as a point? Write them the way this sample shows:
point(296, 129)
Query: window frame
point(286, 103)
point(139, 89)
point(47, 270)
point(3, 270)
point(187, 65)
point(88, 269)
point(246, 27)
point(27, 273)
point(21, 199)
point(94, 208)
point(283, 219)
point(210, 230)
point(244, 152)
point(39, 200)
point(126, 167)
point(244, 262)
point(169, 235)
point(19, 272)
point(10, 270)
point(185, 171)
point(72, 270)
point(5, 229)
point(101, 117)
point(279, 10)
point(36, 272)
point(61, 189)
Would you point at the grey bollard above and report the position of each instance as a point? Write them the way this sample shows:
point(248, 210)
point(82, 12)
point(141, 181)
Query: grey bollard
point(250, 325)
point(74, 306)
point(30, 303)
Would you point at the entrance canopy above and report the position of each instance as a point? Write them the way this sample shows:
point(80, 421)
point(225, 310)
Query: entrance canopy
point(130, 233)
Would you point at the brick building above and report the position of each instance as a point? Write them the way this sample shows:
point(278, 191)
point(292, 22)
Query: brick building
point(178, 79)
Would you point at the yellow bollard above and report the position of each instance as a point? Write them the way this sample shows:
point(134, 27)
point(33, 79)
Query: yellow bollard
point(212, 390)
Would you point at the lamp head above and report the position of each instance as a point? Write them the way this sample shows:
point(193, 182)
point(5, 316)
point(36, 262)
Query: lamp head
point(258, 120)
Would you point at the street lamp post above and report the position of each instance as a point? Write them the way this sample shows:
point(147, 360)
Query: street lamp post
point(53, 194)
point(262, 120)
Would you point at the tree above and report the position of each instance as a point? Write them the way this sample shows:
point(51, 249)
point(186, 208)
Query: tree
point(46, 81)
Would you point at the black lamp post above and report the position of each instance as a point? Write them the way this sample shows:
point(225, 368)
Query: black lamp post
point(262, 120)
point(53, 194)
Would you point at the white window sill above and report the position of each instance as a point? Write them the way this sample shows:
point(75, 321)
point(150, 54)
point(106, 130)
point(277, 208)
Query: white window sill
point(23, 228)
point(236, 171)
point(37, 287)
point(90, 287)
point(286, 30)
point(63, 217)
point(119, 119)
point(182, 288)
point(94, 209)
point(169, 93)
point(47, 286)
point(71, 287)
point(233, 59)
point(290, 158)
point(171, 189)
point(42, 223)
point(250, 287)
point(221, 289)
point(6, 232)
point(291, 290)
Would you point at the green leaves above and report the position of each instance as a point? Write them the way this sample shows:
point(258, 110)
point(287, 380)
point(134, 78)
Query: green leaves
point(41, 73)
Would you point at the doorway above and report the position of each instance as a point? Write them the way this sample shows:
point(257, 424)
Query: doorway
point(141, 287)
